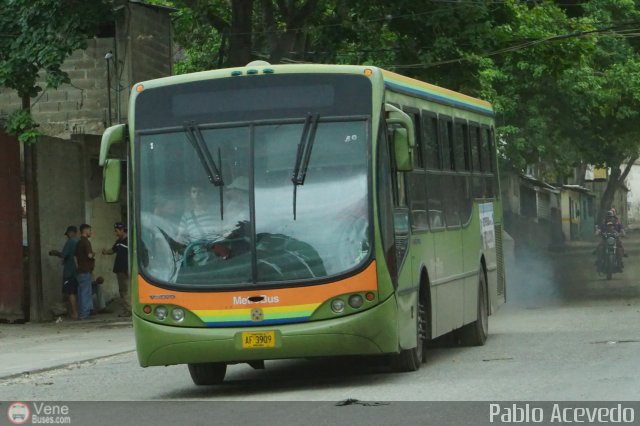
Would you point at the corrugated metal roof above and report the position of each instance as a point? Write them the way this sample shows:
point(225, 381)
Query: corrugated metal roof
point(578, 188)
point(539, 183)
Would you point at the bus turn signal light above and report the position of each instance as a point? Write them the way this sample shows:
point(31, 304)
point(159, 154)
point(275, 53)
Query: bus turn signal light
point(146, 309)
point(370, 296)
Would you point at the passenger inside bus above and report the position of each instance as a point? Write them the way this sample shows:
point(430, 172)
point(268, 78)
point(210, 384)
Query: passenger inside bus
point(199, 220)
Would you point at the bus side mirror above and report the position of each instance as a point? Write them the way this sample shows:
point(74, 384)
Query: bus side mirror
point(111, 173)
point(111, 180)
point(404, 140)
point(113, 134)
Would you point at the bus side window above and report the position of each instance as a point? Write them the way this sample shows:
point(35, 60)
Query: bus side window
point(446, 134)
point(477, 183)
point(418, 161)
point(434, 200)
point(488, 161)
point(417, 197)
point(474, 147)
point(430, 145)
point(485, 150)
point(492, 150)
point(465, 199)
point(451, 192)
point(460, 143)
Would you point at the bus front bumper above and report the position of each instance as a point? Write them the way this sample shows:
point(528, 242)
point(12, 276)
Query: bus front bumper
point(370, 332)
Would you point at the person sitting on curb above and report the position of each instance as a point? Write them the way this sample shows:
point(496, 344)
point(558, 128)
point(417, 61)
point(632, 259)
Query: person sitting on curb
point(100, 304)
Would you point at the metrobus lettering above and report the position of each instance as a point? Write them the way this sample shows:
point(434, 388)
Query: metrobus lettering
point(239, 300)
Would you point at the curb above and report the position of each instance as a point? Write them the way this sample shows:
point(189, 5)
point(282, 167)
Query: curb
point(60, 366)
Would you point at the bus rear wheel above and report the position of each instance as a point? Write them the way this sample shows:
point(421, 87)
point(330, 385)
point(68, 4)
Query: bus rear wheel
point(207, 374)
point(475, 334)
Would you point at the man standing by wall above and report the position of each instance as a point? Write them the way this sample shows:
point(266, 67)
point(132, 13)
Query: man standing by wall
point(85, 260)
point(69, 281)
point(121, 265)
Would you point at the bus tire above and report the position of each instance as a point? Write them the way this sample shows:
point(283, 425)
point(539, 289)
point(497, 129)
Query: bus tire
point(411, 359)
point(475, 334)
point(207, 374)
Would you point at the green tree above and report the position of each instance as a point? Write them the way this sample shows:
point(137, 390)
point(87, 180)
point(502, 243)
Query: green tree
point(604, 93)
point(567, 94)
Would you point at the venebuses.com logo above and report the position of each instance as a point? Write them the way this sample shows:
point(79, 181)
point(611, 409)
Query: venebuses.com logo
point(18, 413)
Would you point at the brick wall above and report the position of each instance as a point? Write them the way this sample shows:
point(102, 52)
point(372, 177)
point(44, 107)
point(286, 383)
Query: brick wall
point(79, 107)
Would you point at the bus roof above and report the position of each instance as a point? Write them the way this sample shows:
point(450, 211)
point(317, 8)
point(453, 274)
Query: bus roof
point(401, 84)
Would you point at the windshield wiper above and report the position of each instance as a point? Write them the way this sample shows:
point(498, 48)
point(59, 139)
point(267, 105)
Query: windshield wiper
point(303, 155)
point(194, 135)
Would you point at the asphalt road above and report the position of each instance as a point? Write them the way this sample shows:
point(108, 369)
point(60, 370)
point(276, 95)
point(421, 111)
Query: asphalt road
point(566, 334)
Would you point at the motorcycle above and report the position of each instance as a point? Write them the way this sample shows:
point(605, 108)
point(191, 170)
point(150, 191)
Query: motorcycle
point(609, 261)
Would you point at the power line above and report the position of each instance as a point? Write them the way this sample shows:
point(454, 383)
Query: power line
point(622, 31)
point(515, 48)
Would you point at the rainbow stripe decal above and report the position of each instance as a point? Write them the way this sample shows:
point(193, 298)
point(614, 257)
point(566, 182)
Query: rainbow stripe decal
point(401, 84)
point(243, 316)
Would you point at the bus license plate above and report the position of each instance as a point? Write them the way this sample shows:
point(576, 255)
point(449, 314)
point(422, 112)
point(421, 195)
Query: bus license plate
point(263, 339)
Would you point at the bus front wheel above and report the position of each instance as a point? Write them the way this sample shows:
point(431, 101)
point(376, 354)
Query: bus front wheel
point(207, 374)
point(411, 359)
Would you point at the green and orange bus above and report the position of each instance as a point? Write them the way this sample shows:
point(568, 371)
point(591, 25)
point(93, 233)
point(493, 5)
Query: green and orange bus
point(293, 211)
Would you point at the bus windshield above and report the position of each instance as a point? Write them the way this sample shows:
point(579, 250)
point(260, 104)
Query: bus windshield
point(244, 232)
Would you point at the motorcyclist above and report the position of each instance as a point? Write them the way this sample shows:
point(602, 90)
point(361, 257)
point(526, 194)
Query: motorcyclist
point(610, 225)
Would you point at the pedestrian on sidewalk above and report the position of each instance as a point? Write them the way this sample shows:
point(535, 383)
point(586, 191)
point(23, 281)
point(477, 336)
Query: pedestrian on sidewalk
point(69, 279)
point(121, 265)
point(85, 262)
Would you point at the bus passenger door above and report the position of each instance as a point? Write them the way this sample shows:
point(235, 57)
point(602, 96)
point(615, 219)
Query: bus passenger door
point(397, 237)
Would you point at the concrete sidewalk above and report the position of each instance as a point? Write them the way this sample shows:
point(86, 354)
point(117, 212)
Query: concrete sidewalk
point(34, 347)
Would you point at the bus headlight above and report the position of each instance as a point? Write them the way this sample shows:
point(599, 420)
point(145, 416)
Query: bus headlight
point(161, 313)
point(356, 301)
point(177, 314)
point(337, 306)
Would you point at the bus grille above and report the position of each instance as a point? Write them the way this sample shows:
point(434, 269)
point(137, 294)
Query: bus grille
point(500, 260)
